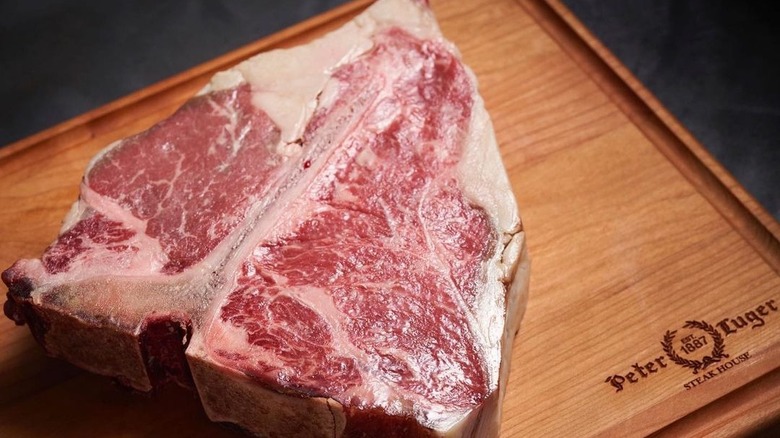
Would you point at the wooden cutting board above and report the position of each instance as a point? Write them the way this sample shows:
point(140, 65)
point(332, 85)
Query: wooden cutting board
point(649, 260)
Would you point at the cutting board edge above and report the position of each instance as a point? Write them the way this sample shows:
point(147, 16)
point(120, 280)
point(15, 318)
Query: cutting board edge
point(680, 147)
point(735, 204)
point(667, 118)
point(719, 414)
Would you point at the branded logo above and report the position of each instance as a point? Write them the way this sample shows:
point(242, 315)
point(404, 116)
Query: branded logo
point(698, 346)
point(692, 344)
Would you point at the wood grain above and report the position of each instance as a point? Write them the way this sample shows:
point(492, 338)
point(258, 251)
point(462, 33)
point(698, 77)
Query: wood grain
point(666, 117)
point(662, 135)
point(627, 243)
point(747, 410)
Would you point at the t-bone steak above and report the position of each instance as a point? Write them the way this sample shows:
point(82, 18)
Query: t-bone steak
point(322, 242)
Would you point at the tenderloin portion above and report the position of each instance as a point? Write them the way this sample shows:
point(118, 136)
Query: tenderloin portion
point(324, 242)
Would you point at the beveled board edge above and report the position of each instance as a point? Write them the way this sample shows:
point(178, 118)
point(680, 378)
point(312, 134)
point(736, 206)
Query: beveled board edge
point(749, 409)
point(756, 404)
point(668, 118)
point(710, 179)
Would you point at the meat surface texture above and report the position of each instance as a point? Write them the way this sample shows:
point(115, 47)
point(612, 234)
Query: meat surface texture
point(323, 242)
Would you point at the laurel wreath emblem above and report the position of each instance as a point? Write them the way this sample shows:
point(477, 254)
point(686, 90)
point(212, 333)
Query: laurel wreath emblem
point(717, 348)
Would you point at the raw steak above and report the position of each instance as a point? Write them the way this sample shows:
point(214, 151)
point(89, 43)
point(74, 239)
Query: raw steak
point(323, 242)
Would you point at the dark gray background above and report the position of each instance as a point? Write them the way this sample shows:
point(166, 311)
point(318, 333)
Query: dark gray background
point(60, 58)
point(714, 64)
